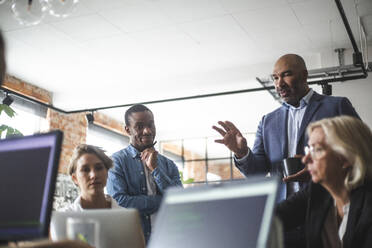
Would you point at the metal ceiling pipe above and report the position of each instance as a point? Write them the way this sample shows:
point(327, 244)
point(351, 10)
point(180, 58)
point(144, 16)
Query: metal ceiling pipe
point(357, 56)
point(319, 82)
point(335, 71)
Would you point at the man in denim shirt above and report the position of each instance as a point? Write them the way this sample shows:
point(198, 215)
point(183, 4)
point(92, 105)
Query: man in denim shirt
point(140, 175)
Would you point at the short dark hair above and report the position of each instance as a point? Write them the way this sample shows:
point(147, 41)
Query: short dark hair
point(134, 109)
point(2, 58)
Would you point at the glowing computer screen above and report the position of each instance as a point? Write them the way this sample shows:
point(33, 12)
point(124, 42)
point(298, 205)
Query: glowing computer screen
point(28, 169)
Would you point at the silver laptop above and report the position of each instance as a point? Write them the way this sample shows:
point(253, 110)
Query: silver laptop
point(219, 216)
point(118, 228)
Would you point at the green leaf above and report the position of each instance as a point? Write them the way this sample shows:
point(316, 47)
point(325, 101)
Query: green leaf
point(190, 180)
point(8, 110)
point(9, 131)
point(82, 238)
point(12, 132)
point(3, 127)
point(17, 132)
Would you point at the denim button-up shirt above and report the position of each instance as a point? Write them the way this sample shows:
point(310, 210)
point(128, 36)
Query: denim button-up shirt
point(127, 183)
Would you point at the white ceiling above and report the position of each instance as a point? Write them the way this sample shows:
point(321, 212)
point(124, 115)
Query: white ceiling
point(111, 52)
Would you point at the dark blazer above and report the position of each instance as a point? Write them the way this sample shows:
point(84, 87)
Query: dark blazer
point(271, 143)
point(310, 206)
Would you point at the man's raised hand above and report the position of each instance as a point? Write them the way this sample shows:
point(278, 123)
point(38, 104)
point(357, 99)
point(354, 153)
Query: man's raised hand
point(232, 138)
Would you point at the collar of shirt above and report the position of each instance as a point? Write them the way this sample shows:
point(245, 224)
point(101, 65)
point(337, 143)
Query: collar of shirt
point(345, 208)
point(343, 224)
point(134, 152)
point(76, 205)
point(303, 102)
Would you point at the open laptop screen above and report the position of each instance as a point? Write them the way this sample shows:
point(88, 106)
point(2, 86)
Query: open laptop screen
point(27, 180)
point(232, 215)
point(120, 227)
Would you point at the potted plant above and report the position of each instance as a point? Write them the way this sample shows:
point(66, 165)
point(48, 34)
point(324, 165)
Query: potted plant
point(7, 130)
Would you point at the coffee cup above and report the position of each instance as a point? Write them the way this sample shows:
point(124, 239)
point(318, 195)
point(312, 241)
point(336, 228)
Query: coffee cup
point(84, 230)
point(291, 166)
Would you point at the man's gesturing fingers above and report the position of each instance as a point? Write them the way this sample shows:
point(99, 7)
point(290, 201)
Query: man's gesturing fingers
point(223, 133)
point(224, 125)
point(231, 126)
point(221, 141)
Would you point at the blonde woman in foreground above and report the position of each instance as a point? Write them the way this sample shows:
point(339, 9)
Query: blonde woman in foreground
point(336, 208)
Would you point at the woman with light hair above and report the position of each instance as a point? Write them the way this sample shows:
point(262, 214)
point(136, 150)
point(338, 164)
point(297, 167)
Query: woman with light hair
point(88, 168)
point(336, 208)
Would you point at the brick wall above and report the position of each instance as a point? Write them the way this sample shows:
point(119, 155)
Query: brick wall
point(109, 123)
point(27, 89)
point(74, 126)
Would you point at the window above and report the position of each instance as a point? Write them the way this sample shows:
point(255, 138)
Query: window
point(30, 118)
point(203, 160)
point(109, 141)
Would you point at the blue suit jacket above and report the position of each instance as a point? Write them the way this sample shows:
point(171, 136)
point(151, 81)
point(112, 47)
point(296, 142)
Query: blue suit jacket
point(271, 143)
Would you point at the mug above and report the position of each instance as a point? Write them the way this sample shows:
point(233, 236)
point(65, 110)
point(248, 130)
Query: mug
point(85, 230)
point(292, 166)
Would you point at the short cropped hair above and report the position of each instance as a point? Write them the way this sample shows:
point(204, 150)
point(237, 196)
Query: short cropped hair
point(352, 139)
point(2, 58)
point(134, 109)
point(82, 149)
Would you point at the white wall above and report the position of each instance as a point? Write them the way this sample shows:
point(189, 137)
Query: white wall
point(359, 93)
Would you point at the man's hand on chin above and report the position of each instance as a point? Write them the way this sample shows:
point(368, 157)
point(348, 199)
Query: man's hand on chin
point(149, 156)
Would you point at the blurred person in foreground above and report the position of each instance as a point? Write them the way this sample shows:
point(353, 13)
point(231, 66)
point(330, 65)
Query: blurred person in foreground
point(336, 207)
point(34, 244)
point(2, 59)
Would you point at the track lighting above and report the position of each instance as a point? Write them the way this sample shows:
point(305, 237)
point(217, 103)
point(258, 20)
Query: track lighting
point(90, 118)
point(8, 100)
point(327, 89)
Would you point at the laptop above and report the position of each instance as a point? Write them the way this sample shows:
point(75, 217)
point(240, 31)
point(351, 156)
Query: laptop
point(117, 227)
point(28, 171)
point(219, 216)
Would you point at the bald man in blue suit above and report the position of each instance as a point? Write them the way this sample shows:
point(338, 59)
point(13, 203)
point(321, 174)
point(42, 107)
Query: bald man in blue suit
point(281, 133)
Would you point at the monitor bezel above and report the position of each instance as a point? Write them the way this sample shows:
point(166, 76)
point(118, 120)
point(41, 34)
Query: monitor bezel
point(42, 230)
point(176, 195)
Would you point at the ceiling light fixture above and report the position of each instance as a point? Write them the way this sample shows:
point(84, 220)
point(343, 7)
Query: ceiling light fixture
point(29, 12)
point(62, 8)
point(32, 12)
